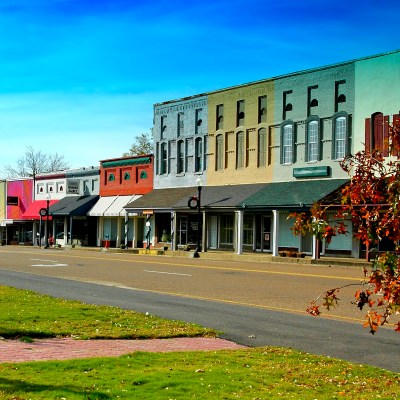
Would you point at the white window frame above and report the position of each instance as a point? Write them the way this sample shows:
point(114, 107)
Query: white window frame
point(312, 141)
point(340, 137)
point(287, 144)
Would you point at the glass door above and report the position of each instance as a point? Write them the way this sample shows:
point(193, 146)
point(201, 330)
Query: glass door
point(266, 234)
point(263, 233)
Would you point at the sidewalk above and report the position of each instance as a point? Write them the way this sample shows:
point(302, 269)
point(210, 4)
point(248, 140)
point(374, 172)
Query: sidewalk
point(66, 349)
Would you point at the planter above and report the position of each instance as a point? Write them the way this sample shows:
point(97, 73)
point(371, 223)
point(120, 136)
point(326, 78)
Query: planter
point(282, 253)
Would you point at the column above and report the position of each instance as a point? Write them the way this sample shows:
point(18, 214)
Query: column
point(204, 233)
point(119, 230)
point(173, 230)
point(126, 229)
point(275, 232)
point(239, 232)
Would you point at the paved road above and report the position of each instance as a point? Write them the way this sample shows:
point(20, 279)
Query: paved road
point(253, 304)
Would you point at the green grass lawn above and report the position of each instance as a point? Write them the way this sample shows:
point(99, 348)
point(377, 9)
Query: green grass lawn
point(25, 314)
point(261, 373)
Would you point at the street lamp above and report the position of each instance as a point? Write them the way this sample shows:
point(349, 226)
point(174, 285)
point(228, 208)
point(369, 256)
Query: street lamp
point(199, 184)
point(46, 239)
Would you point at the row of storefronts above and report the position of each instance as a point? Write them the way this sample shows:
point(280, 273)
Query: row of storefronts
point(228, 169)
point(239, 218)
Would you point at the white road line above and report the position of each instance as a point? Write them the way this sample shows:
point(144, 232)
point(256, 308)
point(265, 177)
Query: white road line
point(53, 263)
point(166, 273)
point(49, 265)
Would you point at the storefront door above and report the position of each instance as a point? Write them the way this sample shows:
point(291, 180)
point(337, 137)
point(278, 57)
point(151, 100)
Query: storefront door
point(213, 232)
point(263, 233)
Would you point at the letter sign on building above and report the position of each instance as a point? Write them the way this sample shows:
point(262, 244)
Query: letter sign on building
point(72, 186)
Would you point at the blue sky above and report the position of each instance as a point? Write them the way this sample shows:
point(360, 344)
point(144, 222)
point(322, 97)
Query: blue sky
point(80, 77)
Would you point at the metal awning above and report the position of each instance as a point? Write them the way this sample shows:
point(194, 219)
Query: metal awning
point(103, 203)
point(72, 206)
point(112, 206)
point(32, 212)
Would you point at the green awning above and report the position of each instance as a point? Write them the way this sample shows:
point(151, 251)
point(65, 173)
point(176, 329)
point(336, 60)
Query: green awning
point(293, 194)
point(125, 162)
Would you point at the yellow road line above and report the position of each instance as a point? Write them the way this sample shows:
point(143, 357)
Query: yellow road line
point(269, 272)
point(234, 302)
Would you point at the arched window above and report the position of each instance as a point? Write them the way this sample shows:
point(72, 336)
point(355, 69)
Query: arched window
point(143, 175)
point(340, 136)
point(198, 155)
point(287, 143)
point(180, 157)
point(219, 157)
point(262, 147)
point(312, 140)
point(164, 159)
point(127, 176)
point(111, 177)
point(240, 150)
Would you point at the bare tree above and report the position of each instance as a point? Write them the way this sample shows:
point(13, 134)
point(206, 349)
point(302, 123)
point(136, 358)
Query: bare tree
point(35, 162)
point(143, 145)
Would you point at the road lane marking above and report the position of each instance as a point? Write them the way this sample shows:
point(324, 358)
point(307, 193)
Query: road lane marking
point(166, 273)
point(326, 315)
point(199, 266)
point(53, 263)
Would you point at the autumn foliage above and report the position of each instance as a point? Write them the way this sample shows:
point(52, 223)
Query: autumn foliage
point(371, 201)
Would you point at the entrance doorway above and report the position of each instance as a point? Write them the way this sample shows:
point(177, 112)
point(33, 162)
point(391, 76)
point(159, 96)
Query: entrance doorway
point(263, 233)
point(213, 232)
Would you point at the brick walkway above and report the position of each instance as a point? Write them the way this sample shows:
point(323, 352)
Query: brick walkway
point(65, 349)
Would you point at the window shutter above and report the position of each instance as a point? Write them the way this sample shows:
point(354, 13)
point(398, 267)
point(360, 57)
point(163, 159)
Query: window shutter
point(319, 140)
point(348, 135)
point(368, 135)
point(385, 141)
point(294, 141)
point(377, 132)
point(306, 141)
point(396, 122)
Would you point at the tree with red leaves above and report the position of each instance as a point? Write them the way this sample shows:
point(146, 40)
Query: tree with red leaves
point(371, 201)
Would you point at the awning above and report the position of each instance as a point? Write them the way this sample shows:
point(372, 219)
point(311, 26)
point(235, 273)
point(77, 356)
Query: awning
point(101, 206)
point(161, 199)
point(262, 196)
point(117, 207)
point(221, 197)
point(32, 212)
point(72, 206)
point(127, 161)
point(112, 206)
point(293, 194)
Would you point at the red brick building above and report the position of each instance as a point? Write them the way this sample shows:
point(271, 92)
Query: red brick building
point(122, 180)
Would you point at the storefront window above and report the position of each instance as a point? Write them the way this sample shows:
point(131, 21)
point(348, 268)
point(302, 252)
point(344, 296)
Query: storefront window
point(248, 230)
point(182, 230)
point(226, 229)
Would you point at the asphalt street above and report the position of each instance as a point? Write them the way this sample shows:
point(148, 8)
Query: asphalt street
point(254, 325)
